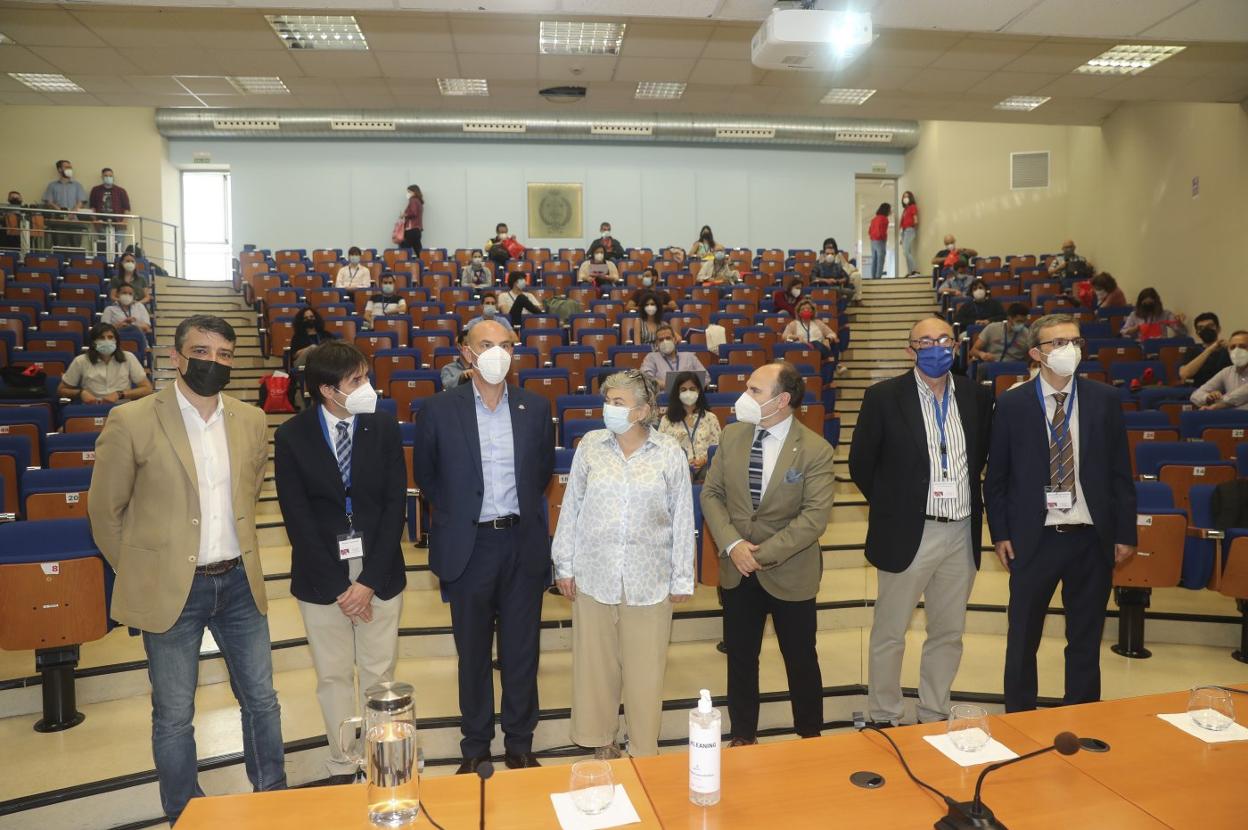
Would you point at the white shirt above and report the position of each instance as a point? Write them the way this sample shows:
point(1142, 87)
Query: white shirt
point(218, 538)
point(354, 276)
point(955, 452)
point(1079, 515)
point(116, 313)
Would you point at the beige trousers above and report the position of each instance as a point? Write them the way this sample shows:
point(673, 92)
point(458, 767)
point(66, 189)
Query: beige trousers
point(619, 651)
point(349, 658)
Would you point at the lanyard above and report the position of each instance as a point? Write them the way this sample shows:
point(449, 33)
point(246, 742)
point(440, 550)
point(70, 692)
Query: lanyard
point(807, 328)
point(672, 364)
point(693, 432)
point(333, 451)
point(942, 412)
point(1070, 408)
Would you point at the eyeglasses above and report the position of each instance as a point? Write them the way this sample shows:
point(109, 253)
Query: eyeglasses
point(1062, 342)
point(944, 341)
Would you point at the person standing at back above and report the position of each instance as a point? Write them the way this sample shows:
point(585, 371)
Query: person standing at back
point(485, 452)
point(342, 487)
point(1061, 508)
point(909, 230)
point(917, 456)
point(767, 500)
point(173, 509)
point(878, 231)
point(109, 197)
point(65, 193)
point(413, 219)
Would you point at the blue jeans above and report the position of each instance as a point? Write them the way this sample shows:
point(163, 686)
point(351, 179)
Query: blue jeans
point(879, 252)
point(224, 605)
point(907, 245)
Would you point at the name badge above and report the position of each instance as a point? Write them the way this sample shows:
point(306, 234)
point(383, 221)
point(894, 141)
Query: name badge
point(1058, 499)
point(350, 546)
point(944, 490)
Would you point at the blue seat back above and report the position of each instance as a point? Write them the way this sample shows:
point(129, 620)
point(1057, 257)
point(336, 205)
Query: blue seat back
point(1146, 419)
point(1153, 495)
point(46, 541)
point(62, 480)
point(1196, 421)
point(1198, 554)
point(1151, 456)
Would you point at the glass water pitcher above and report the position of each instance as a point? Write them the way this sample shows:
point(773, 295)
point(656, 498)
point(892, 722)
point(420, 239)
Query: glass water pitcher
point(384, 741)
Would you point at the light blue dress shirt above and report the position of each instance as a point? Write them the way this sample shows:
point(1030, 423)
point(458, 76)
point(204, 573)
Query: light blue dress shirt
point(498, 458)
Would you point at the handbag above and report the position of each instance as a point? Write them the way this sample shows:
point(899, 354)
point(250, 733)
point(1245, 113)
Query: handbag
point(275, 393)
point(514, 248)
point(396, 236)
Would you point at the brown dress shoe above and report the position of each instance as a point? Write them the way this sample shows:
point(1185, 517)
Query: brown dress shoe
point(742, 742)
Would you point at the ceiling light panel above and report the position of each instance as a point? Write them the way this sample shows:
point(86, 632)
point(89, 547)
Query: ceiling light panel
point(5, 38)
point(260, 85)
point(1020, 103)
point(1128, 59)
point(557, 37)
point(848, 97)
point(659, 90)
point(463, 86)
point(46, 83)
point(307, 31)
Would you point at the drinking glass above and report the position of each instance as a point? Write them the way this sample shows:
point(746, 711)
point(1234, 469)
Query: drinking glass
point(592, 788)
point(968, 727)
point(1211, 708)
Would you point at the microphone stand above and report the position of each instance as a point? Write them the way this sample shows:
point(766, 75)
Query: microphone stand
point(975, 814)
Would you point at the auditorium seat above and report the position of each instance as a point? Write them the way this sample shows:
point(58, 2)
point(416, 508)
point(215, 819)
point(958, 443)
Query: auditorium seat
point(1199, 552)
point(1192, 424)
point(1231, 571)
point(577, 360)
point(1182, 464)
point(15, 457)
point(33, 422)
point(1147, 372)
point(408, 384)
point(1157, 563)
point(69, 449)
point(84, 417)
point(55, 493)
point(575, 428)
point(550, 383)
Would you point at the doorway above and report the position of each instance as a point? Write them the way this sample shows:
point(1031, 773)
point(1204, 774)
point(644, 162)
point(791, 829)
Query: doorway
point(870, 191)
point(208, 252)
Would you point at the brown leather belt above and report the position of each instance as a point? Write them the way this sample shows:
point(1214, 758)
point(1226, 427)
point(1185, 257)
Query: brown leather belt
point(218, 568)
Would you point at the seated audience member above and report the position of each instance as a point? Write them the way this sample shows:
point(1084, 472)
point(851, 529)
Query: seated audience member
point(1213, 358)
point(644, 327)
point(1008, 339)
point(719, 271)
point(457, 371)
point(309, 332)
point(126, 312)
point(1151, 319)
point(956, 283)
point(496, 246)
point(691, 422)
point(126, 272)
point(705, 245)
point(1228, 389)
point(384, 302)
point(354, 274)
point(953, 257)
point(612, 248)
point(980, 309)
point(1069, 266)
point(807, 328)
point(784, 299)
point(834, 268)
point(666, 359)
point(516, 302)
point(477, 273)
point(1108, 294)
point(598, 269)
point(649, 285)
point(489, 309)
point(105, 372)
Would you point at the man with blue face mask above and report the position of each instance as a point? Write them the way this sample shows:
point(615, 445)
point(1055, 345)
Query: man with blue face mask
point(917, 454)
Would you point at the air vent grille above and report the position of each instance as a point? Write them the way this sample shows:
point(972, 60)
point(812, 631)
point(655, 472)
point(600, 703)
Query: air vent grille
point(494, 127)
point(267, 124)
point(366, 125)
point(622, 129)
point(748, 133)
point(865, 136)
point(1029, 171)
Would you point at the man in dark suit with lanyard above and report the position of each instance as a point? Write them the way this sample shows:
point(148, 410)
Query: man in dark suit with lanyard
point(918, 455)
point(1061, 508)
point(484, 455)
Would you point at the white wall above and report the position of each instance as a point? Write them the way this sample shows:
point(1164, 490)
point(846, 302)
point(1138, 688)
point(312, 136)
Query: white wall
point(305, 194)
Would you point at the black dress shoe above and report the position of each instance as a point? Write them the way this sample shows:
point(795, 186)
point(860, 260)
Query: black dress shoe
point(470, 765)
point(526, 759)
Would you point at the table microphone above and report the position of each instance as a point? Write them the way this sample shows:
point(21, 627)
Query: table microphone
point(975, 815)
point(485, 770)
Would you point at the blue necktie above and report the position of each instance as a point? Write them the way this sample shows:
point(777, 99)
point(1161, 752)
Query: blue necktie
point(343, 449)
point(756, 468)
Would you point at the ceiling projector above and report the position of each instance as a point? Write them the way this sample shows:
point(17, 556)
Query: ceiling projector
point(810, 39)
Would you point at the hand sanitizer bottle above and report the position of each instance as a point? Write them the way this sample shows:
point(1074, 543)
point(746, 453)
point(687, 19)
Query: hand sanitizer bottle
point(704, 734)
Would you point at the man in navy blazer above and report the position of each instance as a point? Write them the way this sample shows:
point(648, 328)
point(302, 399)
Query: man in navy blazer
point(484, 455)
point(1061, 508)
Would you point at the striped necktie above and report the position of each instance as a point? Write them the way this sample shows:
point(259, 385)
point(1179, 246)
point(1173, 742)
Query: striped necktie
point(342, 448)
point(1061, 450)
point(756, 468)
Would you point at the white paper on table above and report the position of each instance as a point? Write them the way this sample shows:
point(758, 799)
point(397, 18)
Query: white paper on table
point(990, 753)
point(1183, 720)
point(619, 813)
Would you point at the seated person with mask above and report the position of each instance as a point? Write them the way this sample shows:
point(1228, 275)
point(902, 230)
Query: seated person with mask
point(1008, 339)
point(1213, 358)
point(1228, 389)
point(477, 273)
point(598, 270)
point(458, 370)
point(719, 271)
point(516, 301)
point(105, 372)
point(649, 281)
point(126, 312)
point(385, 302)
point(489, 308)
point(981, 310)
point(665, 358)
point(354, 274)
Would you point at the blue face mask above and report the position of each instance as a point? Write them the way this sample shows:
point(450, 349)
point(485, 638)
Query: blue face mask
point(935, 361)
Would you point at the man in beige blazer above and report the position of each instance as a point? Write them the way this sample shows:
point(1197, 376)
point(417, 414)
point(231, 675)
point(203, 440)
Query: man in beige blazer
point(766, 501)
point(173, 510)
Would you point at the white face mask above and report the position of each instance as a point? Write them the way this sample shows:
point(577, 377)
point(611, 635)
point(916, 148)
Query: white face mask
point(689, 397)
point(128, 266)
point(476, 260)
point(979, 294)
point(521, 285)
point(68, 172)
point(598, 257)
point(606, 234)
point(750, 411)
point(108, 180)
point(651, 310)
point(1064, 361)
point(719, 256)
point(617, 418)
point(125, 299)
point(796, 291)
point(1239, 357)
point(362, 401)
point(647, 281)
point(353, 259)
point(493, 364)
point(489, 310)
point(667, 347)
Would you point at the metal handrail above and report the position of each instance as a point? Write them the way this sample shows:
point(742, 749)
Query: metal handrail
point(95, 234)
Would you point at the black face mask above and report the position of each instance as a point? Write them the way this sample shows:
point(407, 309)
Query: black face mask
point(15, 200)
point(1207, 334)
point(205, 377)
point(1148, 309)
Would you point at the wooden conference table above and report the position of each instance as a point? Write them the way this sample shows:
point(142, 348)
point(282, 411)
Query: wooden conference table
point(1154, 776)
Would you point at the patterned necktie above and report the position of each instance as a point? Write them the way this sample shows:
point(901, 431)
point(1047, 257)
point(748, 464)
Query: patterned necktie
point(1061, 450)
point(756, 468)
point(343, 449)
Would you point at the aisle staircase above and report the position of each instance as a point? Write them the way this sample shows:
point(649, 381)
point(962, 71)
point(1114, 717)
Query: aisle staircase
point(99, 774)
